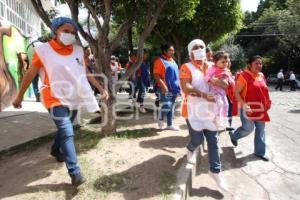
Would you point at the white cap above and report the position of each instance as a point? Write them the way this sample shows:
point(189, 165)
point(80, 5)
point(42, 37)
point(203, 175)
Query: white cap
point(193, 43)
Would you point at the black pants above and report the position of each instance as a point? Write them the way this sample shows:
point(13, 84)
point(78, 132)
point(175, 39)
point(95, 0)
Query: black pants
point(293, 85)
point(279, 84)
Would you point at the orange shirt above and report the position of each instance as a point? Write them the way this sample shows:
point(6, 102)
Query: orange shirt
point(48, 100)
point(159, 67)
point(242, 83)
point(185, 73)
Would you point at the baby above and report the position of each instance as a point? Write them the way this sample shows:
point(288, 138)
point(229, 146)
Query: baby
point(220, 70)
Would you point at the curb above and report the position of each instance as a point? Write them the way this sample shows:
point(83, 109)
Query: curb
point(184, 177)
point(33, 143)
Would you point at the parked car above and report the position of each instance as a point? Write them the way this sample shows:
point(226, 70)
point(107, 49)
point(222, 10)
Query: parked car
point(272, 79)
point(297, 83)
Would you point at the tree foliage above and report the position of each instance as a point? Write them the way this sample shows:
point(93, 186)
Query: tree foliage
point(210, 21)
point(274, 32)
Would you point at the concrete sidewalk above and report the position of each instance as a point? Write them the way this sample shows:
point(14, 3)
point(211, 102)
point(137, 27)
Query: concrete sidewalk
point(19, 126)
point(32, 121)
point(250, 178)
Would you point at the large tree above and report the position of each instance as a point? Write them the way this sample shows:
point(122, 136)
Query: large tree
point(210, 21)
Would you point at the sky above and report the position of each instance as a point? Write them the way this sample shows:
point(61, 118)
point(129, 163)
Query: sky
point(249, 5)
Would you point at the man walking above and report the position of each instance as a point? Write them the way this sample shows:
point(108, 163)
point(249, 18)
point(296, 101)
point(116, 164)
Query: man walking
point(280, 79)
point(293, 81)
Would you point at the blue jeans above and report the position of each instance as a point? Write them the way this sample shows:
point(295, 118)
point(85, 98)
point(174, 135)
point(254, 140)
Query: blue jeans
point(35, 85)
point(141, 90)
point(212, 138)
point(64, 139)
point(167, 106)
point(246, 128)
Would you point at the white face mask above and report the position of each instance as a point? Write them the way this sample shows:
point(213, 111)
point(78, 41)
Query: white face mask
point(67, 38)
point(199, 54)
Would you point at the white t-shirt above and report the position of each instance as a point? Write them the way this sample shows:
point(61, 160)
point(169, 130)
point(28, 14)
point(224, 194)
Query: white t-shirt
point(280, 75)
point(292, 77)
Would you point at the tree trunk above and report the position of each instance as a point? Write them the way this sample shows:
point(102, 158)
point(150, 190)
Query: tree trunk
point(108, 119)
point(108, 113)
point(129, 36)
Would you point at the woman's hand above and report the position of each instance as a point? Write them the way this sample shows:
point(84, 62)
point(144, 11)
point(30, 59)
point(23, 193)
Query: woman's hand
point(17, 103)
point(219, 82)
point(210, 97)
point(104, 94)
point(247, 108)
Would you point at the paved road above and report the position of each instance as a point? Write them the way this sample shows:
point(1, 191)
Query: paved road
point(250, 178)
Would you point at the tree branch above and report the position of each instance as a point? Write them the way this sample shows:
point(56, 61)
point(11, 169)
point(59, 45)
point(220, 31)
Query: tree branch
point(122, 30)
point(73, 5)
point(93, 12)
point(151, 21)
point(41, 12)
point(106, 17)
point(89, 25)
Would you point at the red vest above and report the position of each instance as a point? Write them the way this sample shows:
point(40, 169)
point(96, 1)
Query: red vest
point(257, 97)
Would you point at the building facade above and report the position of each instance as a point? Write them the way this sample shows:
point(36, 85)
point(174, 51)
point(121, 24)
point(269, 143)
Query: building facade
point(22, 15)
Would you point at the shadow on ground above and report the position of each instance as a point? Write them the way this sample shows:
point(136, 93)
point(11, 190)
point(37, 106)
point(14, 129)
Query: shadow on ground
point(34, 163)
point(165, 143)
point(229, 161)
point(206, 192)
point(296, 111)
point(157, 179)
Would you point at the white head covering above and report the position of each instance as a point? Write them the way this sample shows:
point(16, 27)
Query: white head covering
point(193, 43)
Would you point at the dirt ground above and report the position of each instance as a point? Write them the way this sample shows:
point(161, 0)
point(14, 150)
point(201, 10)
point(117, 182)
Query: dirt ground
point(140, 163)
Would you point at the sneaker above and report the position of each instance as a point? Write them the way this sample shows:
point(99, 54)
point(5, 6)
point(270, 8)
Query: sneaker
point(77, 179)
point(234, 142)
point(264, 158)
point(160, 124)
point(192, 156)
point(220, 181)
point(172, 128)
point(142, 109)
point(58, 155)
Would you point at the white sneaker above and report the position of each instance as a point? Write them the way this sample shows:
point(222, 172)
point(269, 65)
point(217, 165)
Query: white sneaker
point(142, 109)
point(173, 128)
point(192, 156)
point(220, 181)
point(160, 124)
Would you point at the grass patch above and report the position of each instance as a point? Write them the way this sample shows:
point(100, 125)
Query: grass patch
point(136, 133)
point(167, 182)
point(116, 182)
point(86, 140)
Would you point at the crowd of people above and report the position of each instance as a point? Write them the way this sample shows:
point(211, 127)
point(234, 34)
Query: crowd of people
point(210, 94)
point(291, 78)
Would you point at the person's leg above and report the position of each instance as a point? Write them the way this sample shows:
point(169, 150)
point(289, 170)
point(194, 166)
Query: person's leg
point(141, 93)
point(35, 85)
point(163, 104)
point(244, 130)
point(170, 111)
point(259, 139)
point(62, 119)
point(294, 85)
point(212, 138)
point(130, 91)
point(280, 84)
point(277, 85)
point(229, 115)
point(197, 138)
point(215, 168)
